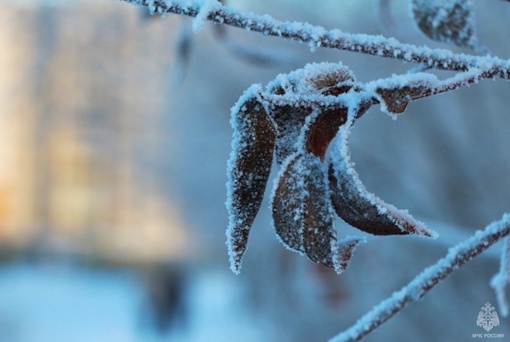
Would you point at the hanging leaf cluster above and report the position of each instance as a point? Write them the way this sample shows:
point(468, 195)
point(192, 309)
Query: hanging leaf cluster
point(302, 120)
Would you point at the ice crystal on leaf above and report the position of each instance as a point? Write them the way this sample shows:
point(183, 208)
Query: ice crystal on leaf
point(315, 79)
point(248, 170)
point(395, 101)
point(303, 214)
point(296, 118)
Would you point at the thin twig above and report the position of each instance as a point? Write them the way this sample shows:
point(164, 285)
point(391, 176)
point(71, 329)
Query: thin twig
point(502, 279)
point(461, 80)
point(317, 36)
point(426, 280)
point(366, 93)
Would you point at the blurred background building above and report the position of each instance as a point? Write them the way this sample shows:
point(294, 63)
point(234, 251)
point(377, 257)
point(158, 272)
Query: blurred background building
point(114, 136)
point(77, 149)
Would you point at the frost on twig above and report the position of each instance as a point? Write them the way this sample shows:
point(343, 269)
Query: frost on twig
point(425, 281)
point(502, 279)
point(204, 8)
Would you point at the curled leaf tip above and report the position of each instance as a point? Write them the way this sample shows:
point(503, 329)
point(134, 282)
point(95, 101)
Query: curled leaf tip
point(360, 208)
point(395, 100)
point(346, 249)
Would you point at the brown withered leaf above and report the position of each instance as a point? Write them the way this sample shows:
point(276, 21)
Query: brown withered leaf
point(451, 22)
point(337, 77)
point(319, 234)
point(289, 121)
point(304, 170)
point(297, 123)
point(335, 80)
point(287, 205)
point(396, 99)
point(248, 171)
point(323, 129)
point(360, 208)
point(303, 215)
point(317, 216)
point(345, 251)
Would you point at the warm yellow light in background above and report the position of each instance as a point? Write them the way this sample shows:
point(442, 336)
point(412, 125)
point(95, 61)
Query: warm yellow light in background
point(76, 100)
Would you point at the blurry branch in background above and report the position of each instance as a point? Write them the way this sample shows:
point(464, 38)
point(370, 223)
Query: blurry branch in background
point(184, 46)
point(251, 55)
point(502, 279)
point(384, 16)
point(258, 57)
point(427, 279)
point(297, 116)
point(261, 58)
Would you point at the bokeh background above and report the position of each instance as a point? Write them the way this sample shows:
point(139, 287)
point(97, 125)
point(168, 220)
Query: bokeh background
point(114, 136)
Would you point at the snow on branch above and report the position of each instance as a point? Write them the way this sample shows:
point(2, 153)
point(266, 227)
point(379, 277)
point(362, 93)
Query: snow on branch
point(317, 36)
point(426, 280)
point(393, 93)
point(502, 279)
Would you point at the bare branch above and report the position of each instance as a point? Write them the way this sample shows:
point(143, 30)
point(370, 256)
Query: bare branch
point(426, 280)
point(317, 36)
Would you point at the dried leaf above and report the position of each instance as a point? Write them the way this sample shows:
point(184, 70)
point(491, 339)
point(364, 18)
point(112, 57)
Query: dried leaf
point(447, 21)
point(315, 180)
point(336, 75)
point(315, 79)
point(289, 122)
point(359, 208)
point(317, 216)
point(302, 177)
point(346, 249)
point(303, 215)
point(287, 204)
point(395, 100)
point(323, 129)
point(248, 171)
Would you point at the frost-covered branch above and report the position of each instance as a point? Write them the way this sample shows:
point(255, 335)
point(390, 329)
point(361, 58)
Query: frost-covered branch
point(501, 280)
point(425, 281)
point(317, 36)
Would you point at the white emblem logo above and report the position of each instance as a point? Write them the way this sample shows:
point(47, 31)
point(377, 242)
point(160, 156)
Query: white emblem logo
point(487, 317)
